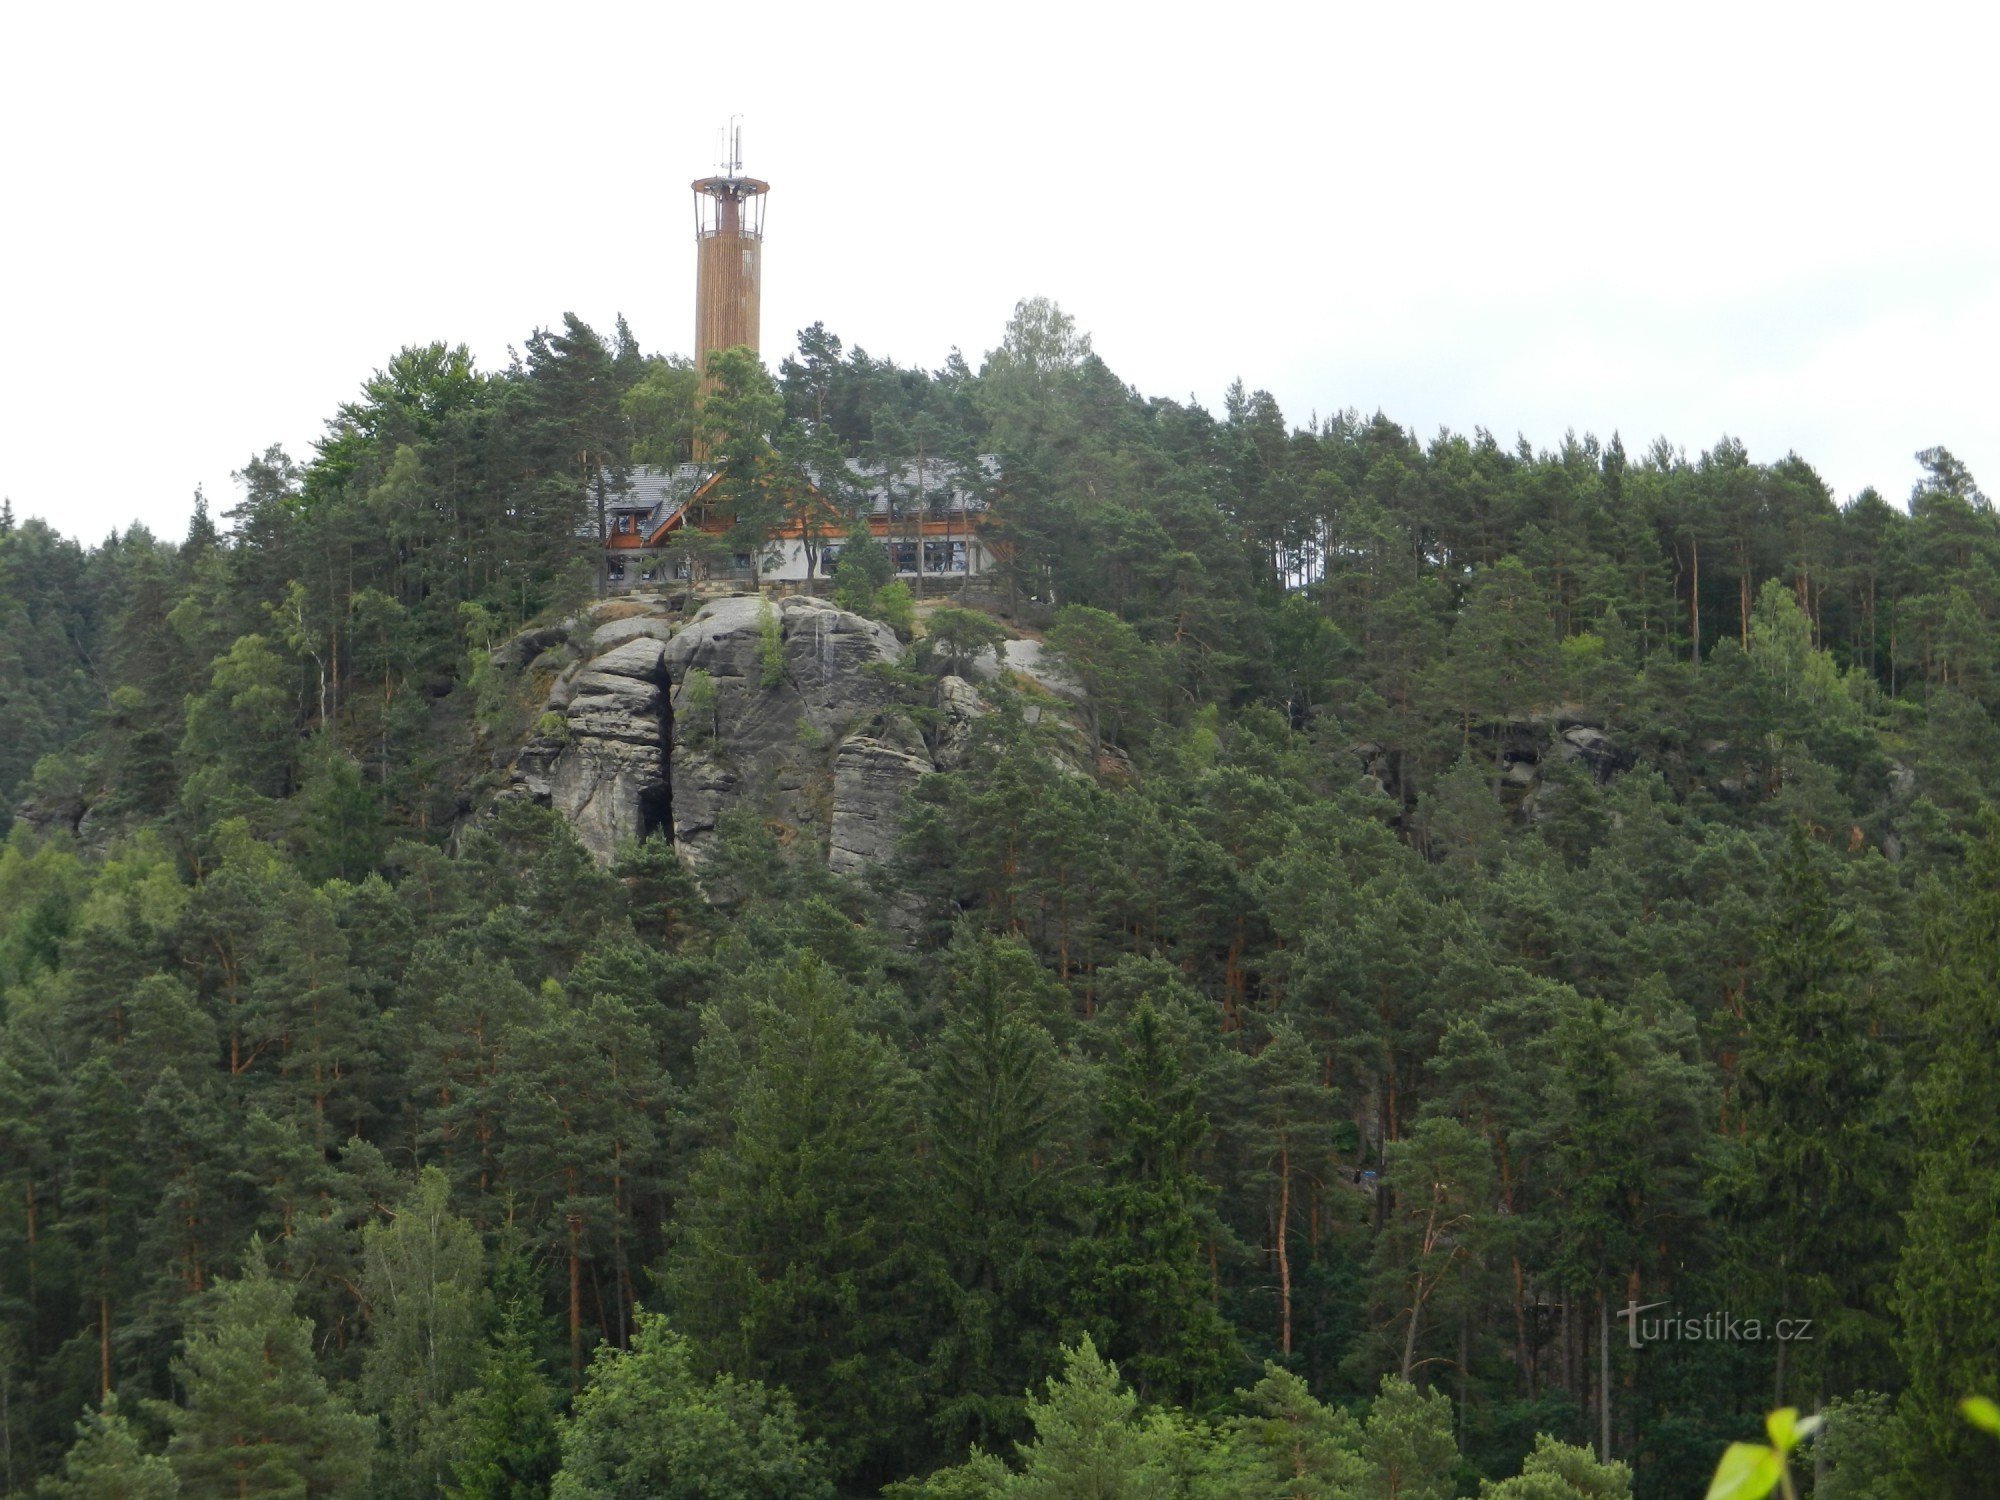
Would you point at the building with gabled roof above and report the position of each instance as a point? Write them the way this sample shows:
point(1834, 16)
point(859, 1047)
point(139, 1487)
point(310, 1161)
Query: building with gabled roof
point(927, 517)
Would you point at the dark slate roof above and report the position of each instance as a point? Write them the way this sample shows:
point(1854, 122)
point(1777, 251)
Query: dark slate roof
point(656, 493)
point(944, 487)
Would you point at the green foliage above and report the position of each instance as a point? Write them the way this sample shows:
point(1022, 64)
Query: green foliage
point(957, 636)
point(1407, 1443)
point(500, 1438)
point(661, 407)
point(1750, 1471)
point(997, 1093)
point(738, 414)
point(107, 1463)
point(1116, 667)
point(646, 1427)
point(770, 647)
point(1585, 843)
point(1947, 1293)
point(1559, 1471)
point(424, 1279)
point(1855, 1453)
point(694, 708)
point(1286, 1444)
point(256, 1417)
point(792, 1220)
point(895, 607)
point(1139, 1274)
point(1089, 1441)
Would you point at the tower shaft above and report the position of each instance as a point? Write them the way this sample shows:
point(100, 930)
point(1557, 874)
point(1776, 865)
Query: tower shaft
point(729, 248)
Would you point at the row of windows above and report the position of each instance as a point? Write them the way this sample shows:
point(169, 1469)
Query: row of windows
point(658, 568)
point(947, 556)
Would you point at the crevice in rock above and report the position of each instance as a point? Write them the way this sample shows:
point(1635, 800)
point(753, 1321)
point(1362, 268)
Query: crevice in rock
point(656, 802)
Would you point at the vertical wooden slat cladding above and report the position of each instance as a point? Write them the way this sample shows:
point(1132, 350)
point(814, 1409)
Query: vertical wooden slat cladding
point(727, 282)
point(729, 235)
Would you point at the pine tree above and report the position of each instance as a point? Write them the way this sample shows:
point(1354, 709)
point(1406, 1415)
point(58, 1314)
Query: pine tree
point(1947, 1293)
point(1287, 1446)
point(1559, 1471)
point(996, 1097)
point(107, 1463)
point(1407, 1444)
point(1139, 1277)
point(1820, 1161)
point(800, 1218)
point(502, 1437)
point(256, 1419)
point(423, 1279)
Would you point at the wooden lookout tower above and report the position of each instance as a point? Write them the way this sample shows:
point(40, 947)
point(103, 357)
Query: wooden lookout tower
point(729, 241)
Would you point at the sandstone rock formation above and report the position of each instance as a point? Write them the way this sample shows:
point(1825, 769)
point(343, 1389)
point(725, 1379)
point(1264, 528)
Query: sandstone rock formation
point(606, 769)
point(671, 724)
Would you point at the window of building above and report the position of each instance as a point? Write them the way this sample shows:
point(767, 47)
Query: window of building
point(946, 556)
point(904, 555)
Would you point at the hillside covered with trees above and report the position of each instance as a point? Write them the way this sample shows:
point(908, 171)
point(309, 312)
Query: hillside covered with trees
point(1506, 889)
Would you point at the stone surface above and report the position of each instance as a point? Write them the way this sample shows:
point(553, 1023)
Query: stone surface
point(774, 748)
point(607, 772)
point(959, 708)
point(825, 746)
point(871, 780)
point(1902, 782)
point(1595, 750)
point(638, 627)
point(515, 653)
point(1033, 661)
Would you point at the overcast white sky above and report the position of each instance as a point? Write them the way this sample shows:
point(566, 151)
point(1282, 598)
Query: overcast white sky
point(1776, 222)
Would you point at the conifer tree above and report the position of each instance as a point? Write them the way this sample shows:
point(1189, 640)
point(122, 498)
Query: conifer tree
point(107, 1463)
point(423, 1278)
point(1821, 1169)
point(256, 1419)
point(997, 1101)
point(1139, 1276)
point(501, 1436)
point(1948, 1276)
point(800, 1217)
point(1407, 1443)
point(1288, 1446)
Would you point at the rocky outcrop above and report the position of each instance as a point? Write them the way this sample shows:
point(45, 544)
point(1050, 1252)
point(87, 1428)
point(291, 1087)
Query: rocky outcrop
point(959, 708)
point(871, 781)
point(1594, 750)
point(632, 628)
point(772, 740)
point(1525, 748)
point(514, 654)
point(787, 709)
point(605, 768)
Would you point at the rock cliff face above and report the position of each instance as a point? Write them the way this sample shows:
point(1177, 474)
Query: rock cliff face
point(777, 741)
point(665, 723)
point(605, 768)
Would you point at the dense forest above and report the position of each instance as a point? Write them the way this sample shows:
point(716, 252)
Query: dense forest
point(1513, 998)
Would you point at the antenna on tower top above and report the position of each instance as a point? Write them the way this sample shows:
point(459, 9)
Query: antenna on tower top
point(729, 148)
